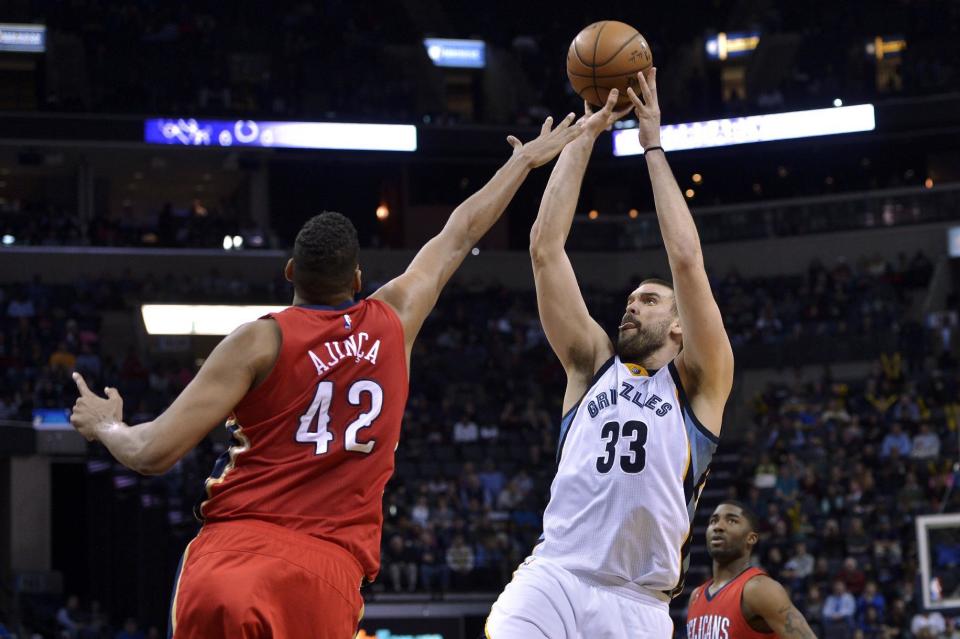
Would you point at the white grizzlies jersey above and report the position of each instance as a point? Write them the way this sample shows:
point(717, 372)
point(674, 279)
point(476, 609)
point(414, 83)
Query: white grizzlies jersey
point(632, 462)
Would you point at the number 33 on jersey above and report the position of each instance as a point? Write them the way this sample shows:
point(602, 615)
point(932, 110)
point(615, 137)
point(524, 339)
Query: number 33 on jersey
point(314, 443)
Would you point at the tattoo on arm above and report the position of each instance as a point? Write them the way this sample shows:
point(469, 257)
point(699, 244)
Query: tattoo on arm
point(794, 625)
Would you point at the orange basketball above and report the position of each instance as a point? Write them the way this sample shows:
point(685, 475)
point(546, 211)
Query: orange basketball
point(607, 55)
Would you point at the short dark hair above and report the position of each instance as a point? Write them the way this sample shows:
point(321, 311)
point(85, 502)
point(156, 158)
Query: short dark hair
point(657, 280)
point(745, 510)
point(325, 255)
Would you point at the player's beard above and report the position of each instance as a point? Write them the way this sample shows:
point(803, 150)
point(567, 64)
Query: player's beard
point(646, 341)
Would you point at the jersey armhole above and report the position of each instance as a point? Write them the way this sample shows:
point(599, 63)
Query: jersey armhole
point(567, 419)
point(270, 380)
point(687, 408)
point(391, 312)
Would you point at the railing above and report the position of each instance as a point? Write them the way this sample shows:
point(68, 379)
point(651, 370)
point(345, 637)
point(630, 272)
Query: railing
point(779, 218)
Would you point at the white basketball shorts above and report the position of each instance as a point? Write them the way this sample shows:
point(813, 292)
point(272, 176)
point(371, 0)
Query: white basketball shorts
point(545, 601)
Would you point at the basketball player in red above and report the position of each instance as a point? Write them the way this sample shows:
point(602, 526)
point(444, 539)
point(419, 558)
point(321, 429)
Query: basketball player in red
point(315, 395)
point(740, 602)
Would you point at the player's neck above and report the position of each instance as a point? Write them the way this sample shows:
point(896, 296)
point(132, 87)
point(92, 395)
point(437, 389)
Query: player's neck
point(723, 573)
point(333, 300)
point(659, 358)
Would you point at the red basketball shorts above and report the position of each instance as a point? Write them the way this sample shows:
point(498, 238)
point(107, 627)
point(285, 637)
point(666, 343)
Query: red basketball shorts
point(250, 579)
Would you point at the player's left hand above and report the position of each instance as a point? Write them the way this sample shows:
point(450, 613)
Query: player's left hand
point(596, 123)
point(548, 144)
point(647, 107)
point(92, 412)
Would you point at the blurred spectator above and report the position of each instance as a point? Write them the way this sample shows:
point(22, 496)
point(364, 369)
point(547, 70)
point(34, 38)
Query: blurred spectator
point(465, 430)
point(926, 443)
point(928, 625)
point(839, 611)
point(896, 439)
point(130, 630)
point(402, 563)
point(460, 561)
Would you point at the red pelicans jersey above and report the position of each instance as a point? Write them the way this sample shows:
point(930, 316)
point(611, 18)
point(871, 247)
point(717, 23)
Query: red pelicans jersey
point(719, 616)
point(314, 442)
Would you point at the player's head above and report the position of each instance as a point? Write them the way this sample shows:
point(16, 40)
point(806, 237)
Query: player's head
point(324, 264)
point(731, 532)
point(650, 321)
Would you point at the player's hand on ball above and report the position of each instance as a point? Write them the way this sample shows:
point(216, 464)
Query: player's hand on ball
point(596, 123)
point(92, 412)
point(548, 144)
point(647, 108)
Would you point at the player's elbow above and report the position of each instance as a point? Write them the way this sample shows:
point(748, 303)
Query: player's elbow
point(153, 466)
point(153, 460)
point(686, 259)
point(542, 247)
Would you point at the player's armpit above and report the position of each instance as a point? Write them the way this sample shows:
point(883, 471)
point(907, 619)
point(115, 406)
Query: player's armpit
point(243, 358)
point(766, 598)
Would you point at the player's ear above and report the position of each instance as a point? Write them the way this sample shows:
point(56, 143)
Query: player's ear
point(288, 270)
point(357, 280)
point(675, 328)
point(753, 538)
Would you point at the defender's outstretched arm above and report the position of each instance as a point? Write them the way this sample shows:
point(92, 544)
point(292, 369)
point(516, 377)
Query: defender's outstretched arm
point(414, 293)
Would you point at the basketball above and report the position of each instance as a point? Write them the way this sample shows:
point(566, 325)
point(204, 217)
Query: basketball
point(607, 55)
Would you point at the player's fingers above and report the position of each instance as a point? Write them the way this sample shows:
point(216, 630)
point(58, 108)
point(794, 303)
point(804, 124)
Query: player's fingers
point(572, 133)
point(612, 98)
point(652, 81)
point(111, 392)
point(566, 122)
point(81, 385)
point(645, 89)
point(637, 102)
point(514, 142)
point(547, 125)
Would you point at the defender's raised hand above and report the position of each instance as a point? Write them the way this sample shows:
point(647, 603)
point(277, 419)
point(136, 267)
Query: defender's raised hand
point(647, 108)
point(92, 412)
point(596, 123)
point(549, 143)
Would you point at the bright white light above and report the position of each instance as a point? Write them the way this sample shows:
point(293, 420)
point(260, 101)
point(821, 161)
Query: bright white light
point(237, 242)
point(196, 319)
point(227, 242)
point(470, 54)
point(838, 102)
point(297, 135)
point(755, 128)
point(9, 239)
point(24, 38)
point(356, 137)
point(475, 251)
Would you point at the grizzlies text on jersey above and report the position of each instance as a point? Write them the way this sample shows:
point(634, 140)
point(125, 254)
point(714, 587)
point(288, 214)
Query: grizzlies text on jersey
point(632, 461)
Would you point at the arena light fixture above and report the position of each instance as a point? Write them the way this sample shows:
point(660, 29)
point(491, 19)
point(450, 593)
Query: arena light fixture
point(731, 45)
point(198, 319)
point(346, 136)
point(755, 128)
point(23, 38)
point(464, 54)
point(953, 241)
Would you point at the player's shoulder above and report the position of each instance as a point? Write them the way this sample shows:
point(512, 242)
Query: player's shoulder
point(757, 583)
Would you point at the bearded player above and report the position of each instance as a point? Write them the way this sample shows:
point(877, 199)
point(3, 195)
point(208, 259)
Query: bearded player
point(739, 601)
point(641, 419)
point(315, 395)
